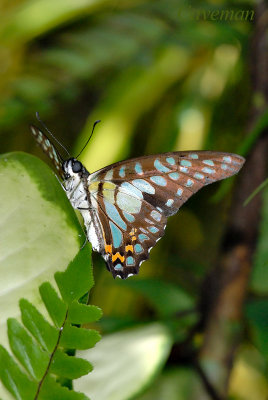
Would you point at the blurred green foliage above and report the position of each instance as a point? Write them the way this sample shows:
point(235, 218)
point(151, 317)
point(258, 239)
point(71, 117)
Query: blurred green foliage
point(160, 79)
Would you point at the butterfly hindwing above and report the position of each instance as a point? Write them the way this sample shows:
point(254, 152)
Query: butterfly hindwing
point(127, 237)
point(135, 197)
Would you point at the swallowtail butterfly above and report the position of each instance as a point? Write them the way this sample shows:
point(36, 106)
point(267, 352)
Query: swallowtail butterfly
point(125, 205)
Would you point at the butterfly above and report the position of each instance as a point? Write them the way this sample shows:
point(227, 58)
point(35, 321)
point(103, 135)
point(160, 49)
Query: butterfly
point(125, 205)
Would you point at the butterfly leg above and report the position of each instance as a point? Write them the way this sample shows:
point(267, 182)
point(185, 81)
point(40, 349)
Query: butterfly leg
point(62, 185)
point(85, 242)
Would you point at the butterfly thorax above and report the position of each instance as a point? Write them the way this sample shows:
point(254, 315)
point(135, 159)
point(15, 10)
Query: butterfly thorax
point(77, 190)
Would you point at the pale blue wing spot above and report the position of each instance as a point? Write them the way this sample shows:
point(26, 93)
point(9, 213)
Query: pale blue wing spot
point(156, 215)
point(148, 221)
point(197, 175)
point(130, 261)
point(153, 229)
point(138, 168)
point(170, 160)
point(116, 234)
point(160, 167)
point(143, 237)
point(132, 190)
point(128, 216)
point(54, 153)
point(179, 192)
point(185, 163)
point(159, 180)
point(184, 169)
point(143, 230)
point(159, 209)
point(144, 186)
point(122, 171)
point(209, 162)
point(169, 202)
point(224, 167)
point(128, 203)
point(193, 156)
point(189, 183)
point(208, 170)
point(109, 175)
point(47, 142)
point(138, 248)
point(227, 159)
point(114, 214)
point(174, 175)
point(118, 267)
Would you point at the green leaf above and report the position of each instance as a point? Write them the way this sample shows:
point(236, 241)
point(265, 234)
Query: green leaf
point(167, 299)
point(34, 321)
point(39, 231)
point(42, 15)
point(251, 138)
point(178, 383)
point(69, 366)
point(243, 150)
point(125, 362)
point(78, 278)
point(79, 338)
point(255, 192)
point(259, 276)
point(257, 313)
point(83, 314)
point(54, 305)
point(14, 379)
point(51, 390)
point(26, 350)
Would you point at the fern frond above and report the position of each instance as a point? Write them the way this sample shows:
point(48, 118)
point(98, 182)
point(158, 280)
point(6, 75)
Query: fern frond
point(40, 346)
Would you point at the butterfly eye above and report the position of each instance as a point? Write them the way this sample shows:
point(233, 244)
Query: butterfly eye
point(77, 166)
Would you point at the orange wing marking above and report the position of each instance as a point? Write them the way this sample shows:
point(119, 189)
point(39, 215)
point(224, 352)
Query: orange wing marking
point(116, 256)
point(108, 248)
point(129, 247)
point(132, 233)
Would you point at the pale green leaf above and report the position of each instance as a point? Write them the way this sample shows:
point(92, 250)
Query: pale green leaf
point(125, 362)
point(39, 232)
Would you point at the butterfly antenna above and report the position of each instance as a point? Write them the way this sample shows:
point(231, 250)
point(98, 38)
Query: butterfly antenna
point(51, 134)
point(95, 123)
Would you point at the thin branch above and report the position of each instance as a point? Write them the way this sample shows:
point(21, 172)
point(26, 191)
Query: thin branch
point(208, 386)
point(51, 357)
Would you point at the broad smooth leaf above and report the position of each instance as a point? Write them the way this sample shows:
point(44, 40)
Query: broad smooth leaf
point(39, 232)
point(125, 362)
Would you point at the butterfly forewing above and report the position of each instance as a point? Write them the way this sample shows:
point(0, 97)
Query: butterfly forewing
point(135, 197)
point(48, 148)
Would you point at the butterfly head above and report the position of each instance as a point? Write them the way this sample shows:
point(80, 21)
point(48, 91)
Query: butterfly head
point(73, 168)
